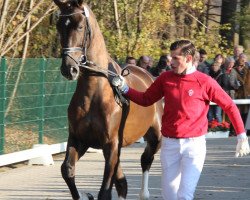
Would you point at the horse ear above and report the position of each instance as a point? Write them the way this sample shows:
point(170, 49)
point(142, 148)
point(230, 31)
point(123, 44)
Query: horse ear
point(80, 2)
point(59, 3)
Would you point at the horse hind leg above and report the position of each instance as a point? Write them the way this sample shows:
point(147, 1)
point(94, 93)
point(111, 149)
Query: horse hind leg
point(121, 184)
point(73, 154)
point(153, 144)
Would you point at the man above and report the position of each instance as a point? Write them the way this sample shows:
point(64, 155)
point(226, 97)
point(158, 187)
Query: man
point(216, 73)
point(162, 65)
point(238, 49)
point(203, 65)
point(130, 61)
point(243, 71)
point(144, 62)
point(243, 76)
point(187, 93)
point(229, 79)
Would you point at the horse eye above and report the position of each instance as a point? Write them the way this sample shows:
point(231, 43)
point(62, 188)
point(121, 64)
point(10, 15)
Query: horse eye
point(79, 28)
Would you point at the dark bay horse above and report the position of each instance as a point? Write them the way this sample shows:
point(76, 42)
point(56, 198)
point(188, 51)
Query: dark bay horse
point(95, 118)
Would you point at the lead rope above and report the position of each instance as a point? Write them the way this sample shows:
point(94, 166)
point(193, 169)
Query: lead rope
point(86, 63)
point(97, 68)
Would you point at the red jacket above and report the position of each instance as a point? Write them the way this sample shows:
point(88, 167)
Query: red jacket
point(187, 100)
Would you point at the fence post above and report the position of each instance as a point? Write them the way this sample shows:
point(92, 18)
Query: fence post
point(42, 99)
point(3, 72)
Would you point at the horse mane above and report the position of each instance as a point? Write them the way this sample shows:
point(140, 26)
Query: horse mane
point(97, 38)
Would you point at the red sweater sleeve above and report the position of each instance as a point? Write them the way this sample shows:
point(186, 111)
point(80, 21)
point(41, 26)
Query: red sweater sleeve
point(150, 96)
point(219, 96)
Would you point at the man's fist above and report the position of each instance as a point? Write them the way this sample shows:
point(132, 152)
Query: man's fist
point(242, 147)
point(119, 81)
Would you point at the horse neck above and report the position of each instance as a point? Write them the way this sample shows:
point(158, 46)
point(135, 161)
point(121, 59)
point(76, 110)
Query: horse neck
point(97, 51)
point(92, 86)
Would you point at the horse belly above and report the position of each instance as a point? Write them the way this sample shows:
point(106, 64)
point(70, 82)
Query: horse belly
point(139, 120)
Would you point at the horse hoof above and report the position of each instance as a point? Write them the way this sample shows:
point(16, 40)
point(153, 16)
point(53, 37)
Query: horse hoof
point(90, 196)
point(144, 195)
point(86, 196)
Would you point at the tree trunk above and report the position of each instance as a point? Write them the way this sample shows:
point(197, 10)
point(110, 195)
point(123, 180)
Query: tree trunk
point(4, 11)
point(127, 29)
point(227, 12)
point(26, 44)
point(27, 38)
point(172, 29)
point(244, 35)
point(117, 23)
point(140, 7)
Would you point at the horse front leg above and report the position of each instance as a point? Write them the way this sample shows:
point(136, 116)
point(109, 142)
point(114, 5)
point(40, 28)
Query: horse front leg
point(73, 153)
point(121, 183)
point(111, 153)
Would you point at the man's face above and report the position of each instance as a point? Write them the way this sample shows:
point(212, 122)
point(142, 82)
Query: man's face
point(145, 62)
point(242, 59)
point(218, 60)
point(230, 65)
point(179, 63)
point(203, 57)
point(237, 51)
point(215, 67)
point(132, 62)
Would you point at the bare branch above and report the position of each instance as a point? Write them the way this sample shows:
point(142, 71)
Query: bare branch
point(9, 23)
point(196, 19)
point(50, 9)
point(117, 19)
point(20, 26)
point(3, 14)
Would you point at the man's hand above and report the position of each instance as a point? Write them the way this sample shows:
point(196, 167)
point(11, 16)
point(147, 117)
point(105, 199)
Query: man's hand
point(242, 147)
point(119, 81)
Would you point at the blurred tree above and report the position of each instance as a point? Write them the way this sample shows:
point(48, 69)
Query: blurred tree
point(244, 21)
point(130, 27)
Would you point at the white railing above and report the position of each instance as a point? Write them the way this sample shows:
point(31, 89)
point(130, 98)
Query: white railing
point(42, 151)
point(242, 102)
point(37, 152)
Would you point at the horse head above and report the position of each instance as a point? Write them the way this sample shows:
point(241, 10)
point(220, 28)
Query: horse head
point(75, 34)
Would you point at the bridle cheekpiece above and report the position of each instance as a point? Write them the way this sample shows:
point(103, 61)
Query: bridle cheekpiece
point(83, 61)
point(87, 35)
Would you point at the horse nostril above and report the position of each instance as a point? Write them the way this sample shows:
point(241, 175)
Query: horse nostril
point(74, 71)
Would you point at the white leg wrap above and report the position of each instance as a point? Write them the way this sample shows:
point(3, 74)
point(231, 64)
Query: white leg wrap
point(144, 194)
point(83, 196)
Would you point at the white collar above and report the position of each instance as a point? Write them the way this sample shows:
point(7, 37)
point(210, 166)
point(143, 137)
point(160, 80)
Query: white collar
point(190, 70)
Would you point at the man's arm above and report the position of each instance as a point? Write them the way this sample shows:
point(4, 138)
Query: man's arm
point(147, 98)
point(220, 97)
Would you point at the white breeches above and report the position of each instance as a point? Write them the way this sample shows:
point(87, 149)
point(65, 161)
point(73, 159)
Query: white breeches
point(182, 162)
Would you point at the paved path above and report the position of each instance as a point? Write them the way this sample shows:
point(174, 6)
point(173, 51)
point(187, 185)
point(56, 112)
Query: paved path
point(224, 177)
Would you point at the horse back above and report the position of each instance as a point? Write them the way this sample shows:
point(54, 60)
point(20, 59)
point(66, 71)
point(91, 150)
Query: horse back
point(140, 119)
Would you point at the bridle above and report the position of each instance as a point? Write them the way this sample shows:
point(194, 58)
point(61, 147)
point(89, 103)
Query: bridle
point(83, 61)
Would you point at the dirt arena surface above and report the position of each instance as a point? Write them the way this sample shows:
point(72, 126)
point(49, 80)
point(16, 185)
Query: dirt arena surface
point(223, 178)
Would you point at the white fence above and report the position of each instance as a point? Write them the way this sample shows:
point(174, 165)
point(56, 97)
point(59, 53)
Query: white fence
point(42, 154)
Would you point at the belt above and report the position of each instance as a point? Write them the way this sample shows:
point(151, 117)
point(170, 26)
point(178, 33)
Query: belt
point(177, 138)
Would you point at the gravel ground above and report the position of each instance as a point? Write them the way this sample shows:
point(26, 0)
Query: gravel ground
point(223, 178)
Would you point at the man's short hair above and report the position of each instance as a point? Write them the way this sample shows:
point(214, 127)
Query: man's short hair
point(129, 58)
point(202, 51)
point(187, 47)
point(229, 59)
point(240, 47)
